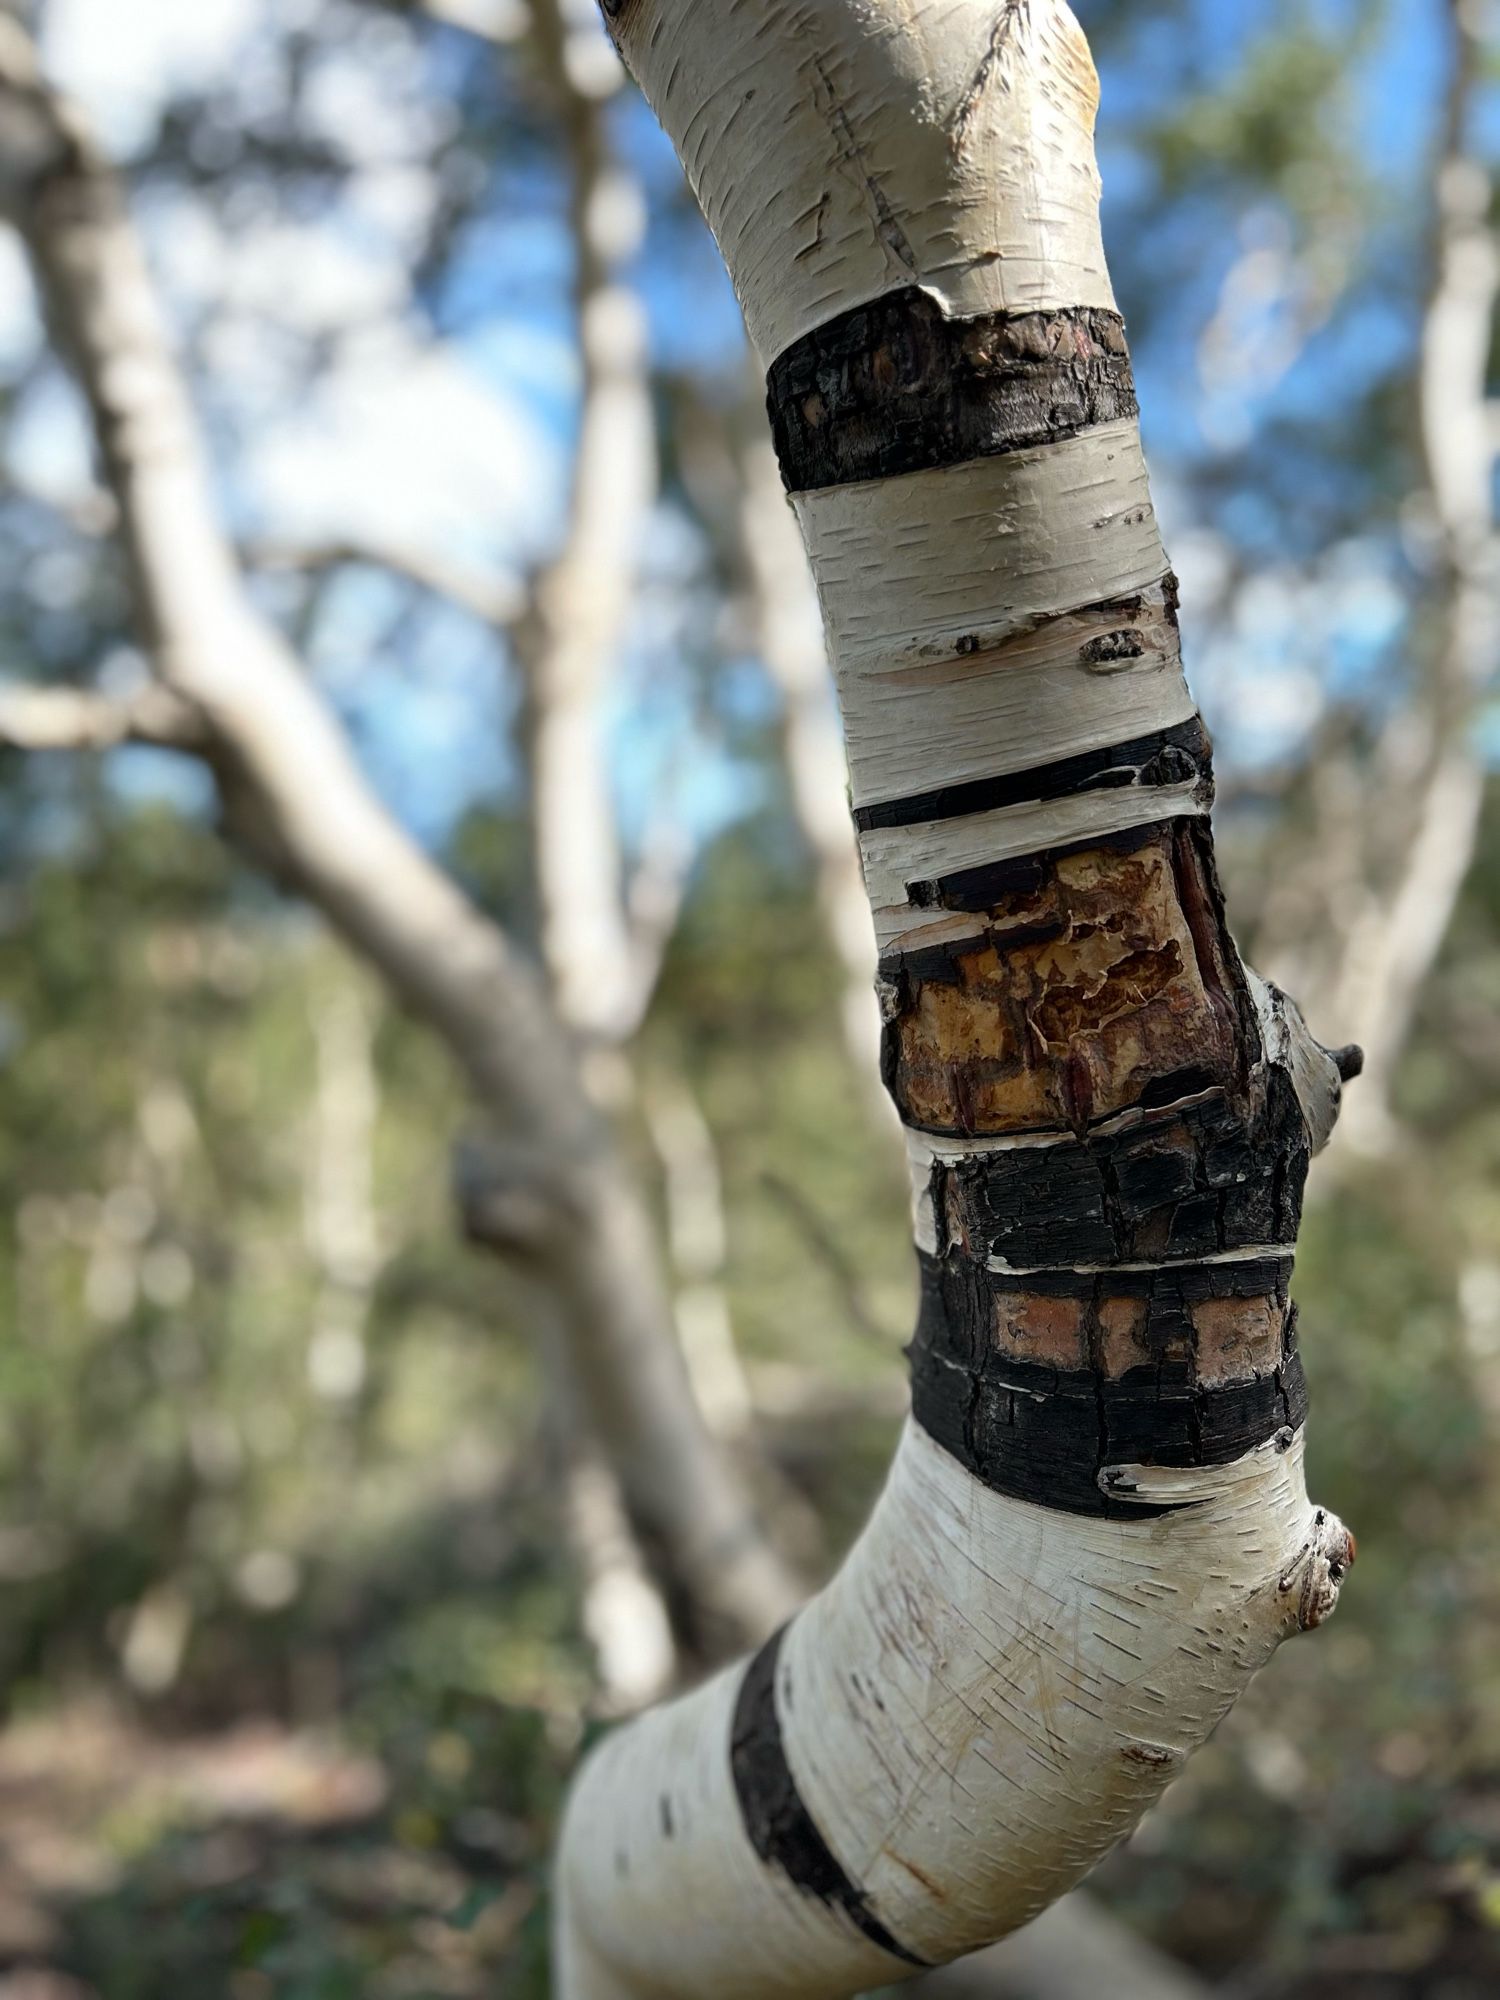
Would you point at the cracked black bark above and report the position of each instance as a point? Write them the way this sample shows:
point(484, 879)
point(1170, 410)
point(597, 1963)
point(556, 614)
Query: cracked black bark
point(895, 386)
point(1046, 1435)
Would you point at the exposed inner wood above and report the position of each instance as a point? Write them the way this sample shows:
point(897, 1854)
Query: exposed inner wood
point(1086, 988)
point(1217, 1340)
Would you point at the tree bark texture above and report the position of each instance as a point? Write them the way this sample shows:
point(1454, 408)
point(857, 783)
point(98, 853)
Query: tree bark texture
point(1095, 1529)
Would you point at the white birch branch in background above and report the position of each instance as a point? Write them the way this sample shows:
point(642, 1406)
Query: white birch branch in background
point(1394, 944)
point(603, 936)
point(295, 796)
point(47, 718)
point(1095, 1529)
point(580, 602)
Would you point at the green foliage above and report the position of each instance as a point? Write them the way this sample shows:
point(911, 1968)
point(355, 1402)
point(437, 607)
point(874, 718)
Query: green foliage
point(214, 1507)
point(1278, 121)
point(163, 1438)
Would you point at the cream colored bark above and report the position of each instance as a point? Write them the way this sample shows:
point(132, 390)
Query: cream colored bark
point(1394, 944)
point(569, 640)
point(1074, 1951)
point(994, 1687)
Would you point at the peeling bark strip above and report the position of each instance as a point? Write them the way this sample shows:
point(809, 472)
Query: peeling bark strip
point(782, 1830)
point(1042, 1393)
point(1180, 755)
point(896, 386)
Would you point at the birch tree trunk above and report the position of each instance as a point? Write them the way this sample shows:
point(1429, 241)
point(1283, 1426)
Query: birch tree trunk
point(1095, 1529)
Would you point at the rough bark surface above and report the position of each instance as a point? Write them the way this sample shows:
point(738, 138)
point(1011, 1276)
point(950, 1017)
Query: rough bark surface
point(1095, 1529)
point(895, 386)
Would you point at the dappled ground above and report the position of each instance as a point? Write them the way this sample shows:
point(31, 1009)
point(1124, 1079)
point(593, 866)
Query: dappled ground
point(263, 1862)
point(254, 1862)
point(355, 1799)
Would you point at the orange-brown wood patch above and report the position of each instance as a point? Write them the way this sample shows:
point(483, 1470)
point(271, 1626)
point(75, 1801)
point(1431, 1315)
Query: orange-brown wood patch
point(1076, 999)
point(1223, 1341)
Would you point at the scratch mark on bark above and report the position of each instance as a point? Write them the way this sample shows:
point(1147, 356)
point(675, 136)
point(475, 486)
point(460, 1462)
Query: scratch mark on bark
point(969, 103)
point(887, 228)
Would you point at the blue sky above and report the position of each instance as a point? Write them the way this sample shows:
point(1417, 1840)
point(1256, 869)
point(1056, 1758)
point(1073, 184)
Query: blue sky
point(474, 453)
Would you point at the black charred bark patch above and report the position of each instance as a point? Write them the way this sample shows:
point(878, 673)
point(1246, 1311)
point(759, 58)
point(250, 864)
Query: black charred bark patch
point(1047, 1434)
point(971, 890)
point(1198, 1182)
point(895, 386)
point(1175, 756)
point(781, 1829)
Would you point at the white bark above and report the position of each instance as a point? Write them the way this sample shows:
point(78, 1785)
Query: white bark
point(819, 197)
point(33, 718)
point(1393, 948)
point(790, 642)
point(985, 1698)
point(580, 604)
point(294, 794)
point(993, 1687)
point(1074, 1951)
point(567, 642)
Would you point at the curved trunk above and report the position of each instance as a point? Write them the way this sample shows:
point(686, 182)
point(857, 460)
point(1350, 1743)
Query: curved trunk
point(1095, 1529)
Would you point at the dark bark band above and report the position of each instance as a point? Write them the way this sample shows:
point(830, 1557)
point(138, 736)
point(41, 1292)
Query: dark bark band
point(970, 890)
point(1199, 1182)
point(894, 386)
point(781, 1829)
point(1046, 1434)
point(1176, 756)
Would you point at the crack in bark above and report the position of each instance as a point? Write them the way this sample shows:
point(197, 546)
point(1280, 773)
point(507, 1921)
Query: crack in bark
point(887, 228)
point(969, 103)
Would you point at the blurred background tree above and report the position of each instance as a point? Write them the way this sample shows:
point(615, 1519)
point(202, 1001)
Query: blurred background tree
point(321, 1546)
